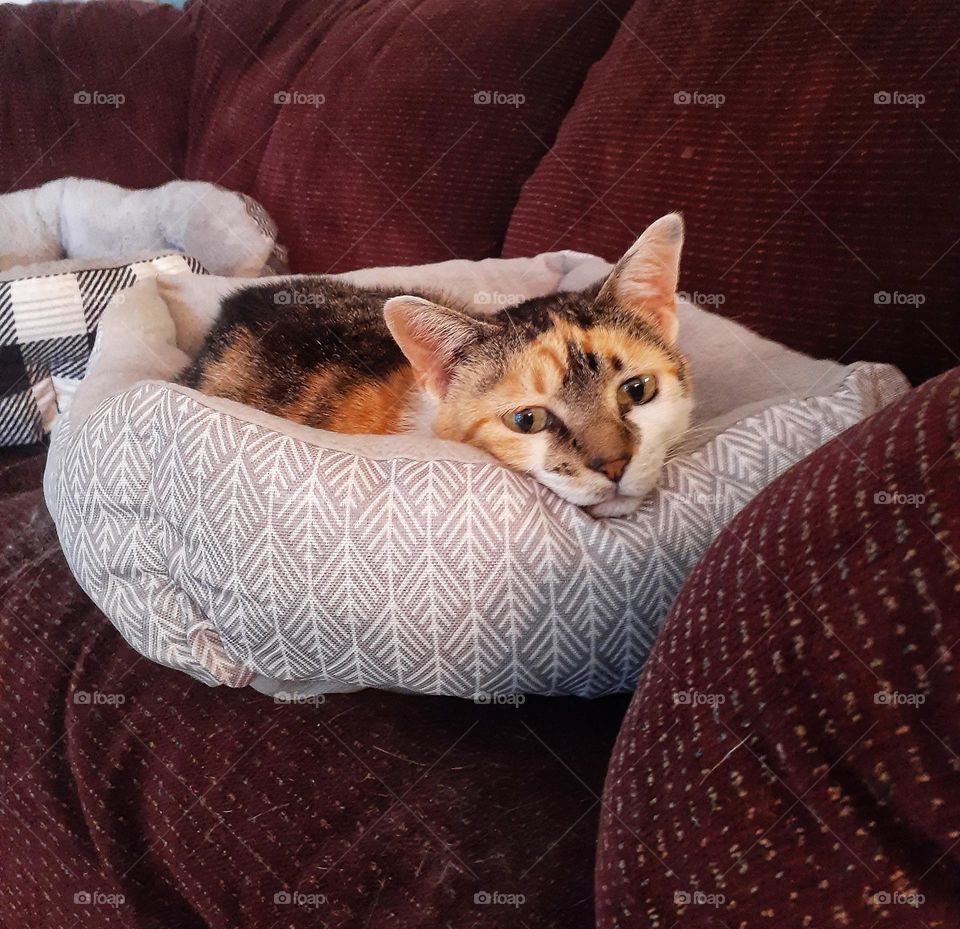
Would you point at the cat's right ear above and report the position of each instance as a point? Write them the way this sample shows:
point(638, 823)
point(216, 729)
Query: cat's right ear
point(644, 281)
point(433, 337)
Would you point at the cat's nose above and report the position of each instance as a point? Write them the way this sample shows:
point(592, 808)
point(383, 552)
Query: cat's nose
point(611, 468)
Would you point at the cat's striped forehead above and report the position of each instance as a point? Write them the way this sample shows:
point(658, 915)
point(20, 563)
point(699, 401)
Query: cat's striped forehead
point(573, 358)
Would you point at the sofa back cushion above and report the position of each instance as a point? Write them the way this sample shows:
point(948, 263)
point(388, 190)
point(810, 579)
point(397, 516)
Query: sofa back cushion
point(817, 215)
point(815, 152)
point(384, 133)
point(96, 90)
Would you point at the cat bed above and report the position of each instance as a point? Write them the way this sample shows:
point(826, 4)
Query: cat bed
point(247, 550)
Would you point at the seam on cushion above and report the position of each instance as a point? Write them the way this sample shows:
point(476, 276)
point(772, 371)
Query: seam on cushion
point(563, 120)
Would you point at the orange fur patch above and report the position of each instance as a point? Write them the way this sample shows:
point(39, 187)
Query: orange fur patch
point(314, 400)
point(234, 374)
point(539, 370)
point(638, 356)
point(378, 407)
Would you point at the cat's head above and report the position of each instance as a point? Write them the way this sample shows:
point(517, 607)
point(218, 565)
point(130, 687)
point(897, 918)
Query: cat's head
point(584, 391)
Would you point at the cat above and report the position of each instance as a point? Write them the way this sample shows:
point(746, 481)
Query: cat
point(584, 391)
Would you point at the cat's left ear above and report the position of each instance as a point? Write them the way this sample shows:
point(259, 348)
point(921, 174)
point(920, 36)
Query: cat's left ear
point(644, 281)
point(433, 337)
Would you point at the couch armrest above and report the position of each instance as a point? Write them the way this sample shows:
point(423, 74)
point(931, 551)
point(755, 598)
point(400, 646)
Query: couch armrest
point(798, 715)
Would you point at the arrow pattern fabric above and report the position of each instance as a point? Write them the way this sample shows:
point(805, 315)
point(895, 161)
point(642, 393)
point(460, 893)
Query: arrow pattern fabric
point(228, 550)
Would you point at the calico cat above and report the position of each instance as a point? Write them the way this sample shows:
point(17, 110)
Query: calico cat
point(584, 391)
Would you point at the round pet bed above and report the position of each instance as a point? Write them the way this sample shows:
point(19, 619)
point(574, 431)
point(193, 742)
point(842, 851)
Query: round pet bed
point(244, 549)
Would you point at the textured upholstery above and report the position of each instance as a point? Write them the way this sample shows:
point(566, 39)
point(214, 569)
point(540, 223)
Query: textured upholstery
point(50, 52)
point(398, 164)
point(793, 742)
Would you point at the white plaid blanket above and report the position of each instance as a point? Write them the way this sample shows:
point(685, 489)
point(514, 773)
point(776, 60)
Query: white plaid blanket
point(47, 328)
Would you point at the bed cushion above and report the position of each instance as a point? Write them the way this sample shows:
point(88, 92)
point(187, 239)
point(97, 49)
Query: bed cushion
point(790, 757)
point(245, 549)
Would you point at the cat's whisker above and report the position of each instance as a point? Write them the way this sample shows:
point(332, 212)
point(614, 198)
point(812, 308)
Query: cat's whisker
point(688, 442)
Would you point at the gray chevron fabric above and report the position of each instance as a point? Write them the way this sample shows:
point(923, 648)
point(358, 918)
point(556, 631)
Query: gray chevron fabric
point(230, 551)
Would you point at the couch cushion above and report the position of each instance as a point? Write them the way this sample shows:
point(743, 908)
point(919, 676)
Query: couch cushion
point(381, 154)
point(838, 272)
point(98, 90)
point(215, 809)
point(791, 752)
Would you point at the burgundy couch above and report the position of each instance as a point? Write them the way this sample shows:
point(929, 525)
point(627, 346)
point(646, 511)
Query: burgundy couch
point(777, 765)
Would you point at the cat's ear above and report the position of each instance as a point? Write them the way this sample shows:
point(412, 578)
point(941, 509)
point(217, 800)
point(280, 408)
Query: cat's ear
point(433, 337)
point(644, 281)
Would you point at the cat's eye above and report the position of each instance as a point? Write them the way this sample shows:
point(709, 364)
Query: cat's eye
point(637, 390)
point(532, 419)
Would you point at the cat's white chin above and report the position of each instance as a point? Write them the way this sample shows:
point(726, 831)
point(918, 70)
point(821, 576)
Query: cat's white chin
point(615, 506)
point(603, 501)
